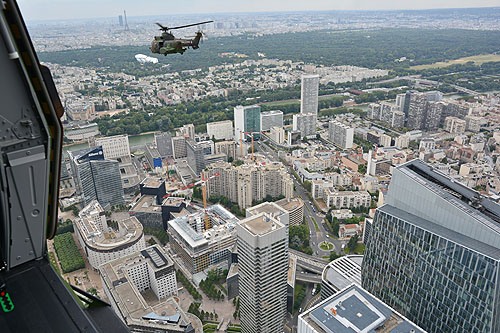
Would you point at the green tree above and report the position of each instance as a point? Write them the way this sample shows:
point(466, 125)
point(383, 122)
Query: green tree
point(353, 241)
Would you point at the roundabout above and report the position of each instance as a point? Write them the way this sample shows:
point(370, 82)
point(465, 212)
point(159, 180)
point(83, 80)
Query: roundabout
point(326, 246)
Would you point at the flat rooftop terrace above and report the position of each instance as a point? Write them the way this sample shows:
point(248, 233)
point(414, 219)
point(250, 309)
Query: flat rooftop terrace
point(260, 225)
point(353, 309)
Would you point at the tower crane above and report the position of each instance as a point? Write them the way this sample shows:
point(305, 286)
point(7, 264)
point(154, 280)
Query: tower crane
point(251, 133)
point(203, 183)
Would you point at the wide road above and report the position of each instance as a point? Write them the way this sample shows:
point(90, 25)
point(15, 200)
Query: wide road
point(316, 237)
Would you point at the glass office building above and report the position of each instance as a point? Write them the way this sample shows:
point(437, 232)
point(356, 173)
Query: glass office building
point(433, 253)
point(246, 119)
point(96, 178)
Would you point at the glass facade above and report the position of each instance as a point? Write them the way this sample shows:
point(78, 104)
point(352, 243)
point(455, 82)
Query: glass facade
point(429, 277)
point(252, 120)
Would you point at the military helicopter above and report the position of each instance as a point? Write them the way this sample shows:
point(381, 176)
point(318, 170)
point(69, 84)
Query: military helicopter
point(168, 44)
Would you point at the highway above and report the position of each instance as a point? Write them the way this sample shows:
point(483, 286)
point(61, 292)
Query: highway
point(307, 277)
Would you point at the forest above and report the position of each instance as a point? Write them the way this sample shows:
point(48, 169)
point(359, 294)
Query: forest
point(376, 48)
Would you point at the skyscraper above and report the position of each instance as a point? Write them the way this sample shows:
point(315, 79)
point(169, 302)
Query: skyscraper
point(96, 178)
point(246, 119)
point(263, 267)
point(309, 94)
point(433, 252)
point(417, 107)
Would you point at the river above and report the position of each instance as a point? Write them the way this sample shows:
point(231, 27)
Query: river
point(133, 140)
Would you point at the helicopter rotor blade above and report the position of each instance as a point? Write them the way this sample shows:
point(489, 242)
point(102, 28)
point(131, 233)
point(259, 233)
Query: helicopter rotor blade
point(189, 25)
point(161, 26)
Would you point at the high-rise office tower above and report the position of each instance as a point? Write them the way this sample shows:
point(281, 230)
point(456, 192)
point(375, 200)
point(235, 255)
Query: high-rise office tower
point(96, 178)
point(246, 119)
point(309, 94)
point(263, 267)
point(120, 20)
point(195, 156)
point(126, 23)
point(433, 252)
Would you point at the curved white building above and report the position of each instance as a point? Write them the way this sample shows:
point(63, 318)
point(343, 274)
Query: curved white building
point(102, 243)
point(341, 273)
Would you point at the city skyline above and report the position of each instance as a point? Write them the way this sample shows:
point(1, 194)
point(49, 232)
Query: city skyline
point(37, 10)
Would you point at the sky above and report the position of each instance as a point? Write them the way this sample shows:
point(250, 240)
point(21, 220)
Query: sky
point(76, 9)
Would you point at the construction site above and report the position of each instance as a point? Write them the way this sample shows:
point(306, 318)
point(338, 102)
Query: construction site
point(203, 239)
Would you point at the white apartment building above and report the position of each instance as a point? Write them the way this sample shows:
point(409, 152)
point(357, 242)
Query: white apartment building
point(402, 141)
point(271, 118)
point(454, 125)
point(385, 140)
point(295, 209)
point(277, 134)
point(309, 94)
point(114, 147)
point(305, 123)
point(187, 130)
point(340, 134)
point(263, 272)
point(473, 123)
point(102, 243)
point(427, 144)
point(230, 148)
point(346, 199)
point(220, 130)
point(249, 182)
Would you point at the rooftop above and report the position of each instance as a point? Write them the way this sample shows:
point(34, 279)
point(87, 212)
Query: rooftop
point(272, 112)
point(152, 182)
point(270, 208)
point(355, 310)
point(144, 308)
point(260, 224)
point(233, 270)
point(343, 271)
point(147, 203)
point(291, 204)
point(222, 221)
point(91, 224)
point(220, 122)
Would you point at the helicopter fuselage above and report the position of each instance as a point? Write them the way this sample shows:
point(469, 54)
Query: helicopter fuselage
point(168, 44)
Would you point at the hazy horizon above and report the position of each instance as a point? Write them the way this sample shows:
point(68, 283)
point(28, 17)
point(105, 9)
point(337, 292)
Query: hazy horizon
point(39, 10)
